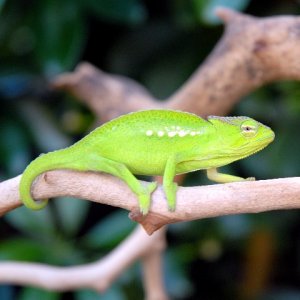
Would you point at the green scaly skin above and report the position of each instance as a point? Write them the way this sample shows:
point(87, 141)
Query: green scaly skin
point(155, 142)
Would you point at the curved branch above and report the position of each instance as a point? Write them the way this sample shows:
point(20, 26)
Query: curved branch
point(98, 275)
point(192, 202)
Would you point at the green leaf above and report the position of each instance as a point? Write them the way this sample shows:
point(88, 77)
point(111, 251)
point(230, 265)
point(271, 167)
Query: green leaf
point(72, 213)
point(130, 11)
point(14, 152)
point(34, 223)
point(59, 28)
point(21, 249)
point(110, 231)
point(34, 293)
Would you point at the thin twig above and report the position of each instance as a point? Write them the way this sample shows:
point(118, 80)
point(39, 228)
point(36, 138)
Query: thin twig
point(98, 275)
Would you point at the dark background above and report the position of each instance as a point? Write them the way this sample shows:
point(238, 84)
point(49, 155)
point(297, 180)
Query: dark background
point(159, 44)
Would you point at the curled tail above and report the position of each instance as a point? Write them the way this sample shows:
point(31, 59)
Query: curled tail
point(53, 160)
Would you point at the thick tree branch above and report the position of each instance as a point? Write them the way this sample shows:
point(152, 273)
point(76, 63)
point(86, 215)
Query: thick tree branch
point(107, 95)
point(192, 202)
point(252, 52)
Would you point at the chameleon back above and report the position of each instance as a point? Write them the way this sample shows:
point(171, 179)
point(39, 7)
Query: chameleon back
point(144, 140)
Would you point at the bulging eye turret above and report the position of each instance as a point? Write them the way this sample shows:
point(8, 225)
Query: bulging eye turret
point(249, 128)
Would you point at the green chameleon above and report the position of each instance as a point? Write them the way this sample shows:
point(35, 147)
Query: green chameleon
point(155, 142)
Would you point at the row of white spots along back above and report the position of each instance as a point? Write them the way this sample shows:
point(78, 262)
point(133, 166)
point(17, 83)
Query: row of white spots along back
point(173, 132)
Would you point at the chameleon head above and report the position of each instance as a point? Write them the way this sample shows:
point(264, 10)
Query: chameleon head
point(241, 136)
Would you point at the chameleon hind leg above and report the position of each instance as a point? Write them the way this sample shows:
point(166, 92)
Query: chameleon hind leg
point(102, 164)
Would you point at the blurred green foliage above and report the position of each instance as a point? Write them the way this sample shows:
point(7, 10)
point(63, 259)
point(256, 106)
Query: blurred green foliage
point(158, 43)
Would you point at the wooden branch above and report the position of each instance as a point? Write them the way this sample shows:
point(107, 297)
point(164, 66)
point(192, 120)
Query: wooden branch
point(107, 95)
point(192, 202)
point(153, 275)
point(98, 275)
point(252, 52)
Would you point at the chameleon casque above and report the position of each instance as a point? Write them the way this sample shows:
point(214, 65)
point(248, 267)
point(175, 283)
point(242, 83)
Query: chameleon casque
point(155, 142)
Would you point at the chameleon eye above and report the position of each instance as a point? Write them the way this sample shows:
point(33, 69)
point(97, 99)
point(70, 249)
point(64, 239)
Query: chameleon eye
point(249, 128)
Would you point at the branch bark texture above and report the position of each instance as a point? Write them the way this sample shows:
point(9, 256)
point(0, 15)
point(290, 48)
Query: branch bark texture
point(192, 202)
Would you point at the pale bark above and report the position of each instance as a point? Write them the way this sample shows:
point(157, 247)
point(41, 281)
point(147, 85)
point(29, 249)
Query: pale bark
point(192, 202)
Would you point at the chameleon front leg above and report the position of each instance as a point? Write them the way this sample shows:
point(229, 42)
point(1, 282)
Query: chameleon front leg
point(102, 164)
point(170, 187)
point(214, 175)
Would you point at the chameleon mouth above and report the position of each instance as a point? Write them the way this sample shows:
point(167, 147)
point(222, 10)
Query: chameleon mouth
point(250, 149)
point(267, 140)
